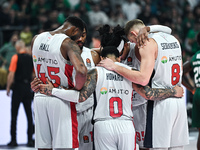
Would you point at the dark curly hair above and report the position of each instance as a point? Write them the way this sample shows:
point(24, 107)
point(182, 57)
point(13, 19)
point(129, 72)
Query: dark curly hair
point(111, 37)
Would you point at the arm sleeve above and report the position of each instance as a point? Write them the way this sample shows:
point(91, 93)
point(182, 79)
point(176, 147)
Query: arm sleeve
point(13, 63)
point(160, 28)
point(68, 95)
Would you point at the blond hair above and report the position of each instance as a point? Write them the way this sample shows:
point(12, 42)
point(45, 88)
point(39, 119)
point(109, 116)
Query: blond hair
point(135, 24)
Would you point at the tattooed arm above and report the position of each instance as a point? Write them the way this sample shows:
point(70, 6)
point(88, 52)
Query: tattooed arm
point(71, 51)
point(157, 94)
point(72, 95)
point(89, 86)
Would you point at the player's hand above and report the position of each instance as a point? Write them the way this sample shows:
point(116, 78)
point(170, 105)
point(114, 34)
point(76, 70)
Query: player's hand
point(35, 84)
point(179, 91)
point(46, 88)
point(142, 37)
point(107, 63)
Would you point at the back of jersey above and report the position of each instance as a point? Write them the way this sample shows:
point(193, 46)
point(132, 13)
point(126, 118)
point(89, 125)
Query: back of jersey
point(113, 94)
point(49, 62)
point(196, 68)
point(168, 65)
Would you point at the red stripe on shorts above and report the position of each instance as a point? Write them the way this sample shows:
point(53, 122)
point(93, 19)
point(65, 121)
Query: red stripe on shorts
point(75, 143)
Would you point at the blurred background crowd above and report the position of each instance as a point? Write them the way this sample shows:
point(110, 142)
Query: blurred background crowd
point(22, 19)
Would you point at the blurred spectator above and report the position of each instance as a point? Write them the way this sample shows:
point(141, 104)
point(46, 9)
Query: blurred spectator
point(8, 50)
point(4, 14)
point(52, 21)
point(146, 14)
point(190, 42)
point(131, 9)
point(19, 77)
point(105, 6)
point(97, 17)
point(82, 3)
point(96, 40)
point(117, 17)
point(26, 35)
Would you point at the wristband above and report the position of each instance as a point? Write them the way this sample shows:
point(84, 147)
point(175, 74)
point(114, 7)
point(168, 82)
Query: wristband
point(68, 95)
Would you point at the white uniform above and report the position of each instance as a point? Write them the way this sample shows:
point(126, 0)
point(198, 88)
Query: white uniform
point(56, 123)
point(167, 119)
point(139, 102)
point(85, 110)
point(113, 128)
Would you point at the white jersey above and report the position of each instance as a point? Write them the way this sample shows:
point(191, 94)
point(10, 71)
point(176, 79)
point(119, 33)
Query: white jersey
point(55, 119)
point(89, 63)
point(168, 115)
point(168, 65)
point(133, 62)
point(49, 62)
point(113, 94)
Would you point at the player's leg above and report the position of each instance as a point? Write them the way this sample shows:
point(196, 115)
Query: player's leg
point(85, 129)
point(42, 128)
point(139, 113)
point(104, 138)
point(126, 135)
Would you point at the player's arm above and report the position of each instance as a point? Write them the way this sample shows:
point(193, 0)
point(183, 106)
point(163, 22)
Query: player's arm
point(95, 57)
point(158, 94)
point(72, 95)
point(143, 33)
point(148, 55)
point(70, 50)
point(186, 79)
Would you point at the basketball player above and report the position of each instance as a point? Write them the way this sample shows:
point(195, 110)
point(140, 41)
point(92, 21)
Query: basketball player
point(57, 57)
point(166, 119)
point(193, 65)
point(85, 109)
point(113, 91)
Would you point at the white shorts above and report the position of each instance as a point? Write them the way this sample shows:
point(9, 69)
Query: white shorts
point(85, 128)
point(139, 119)
point(56, 124)
point(114, 135)
point(167, 124)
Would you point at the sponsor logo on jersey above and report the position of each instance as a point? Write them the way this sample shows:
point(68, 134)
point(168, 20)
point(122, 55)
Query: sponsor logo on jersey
point(34, 58)
point(44, 47)
point(164, 59)
point(115, 77)
point(47, 60)
point(129, 61)
point(175, 58)
point(88, 62)
point(118, 91)
point(173, 45)
point(103, 90)
point(85, 139)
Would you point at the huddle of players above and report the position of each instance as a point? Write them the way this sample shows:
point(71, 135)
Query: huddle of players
point(117, 106)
